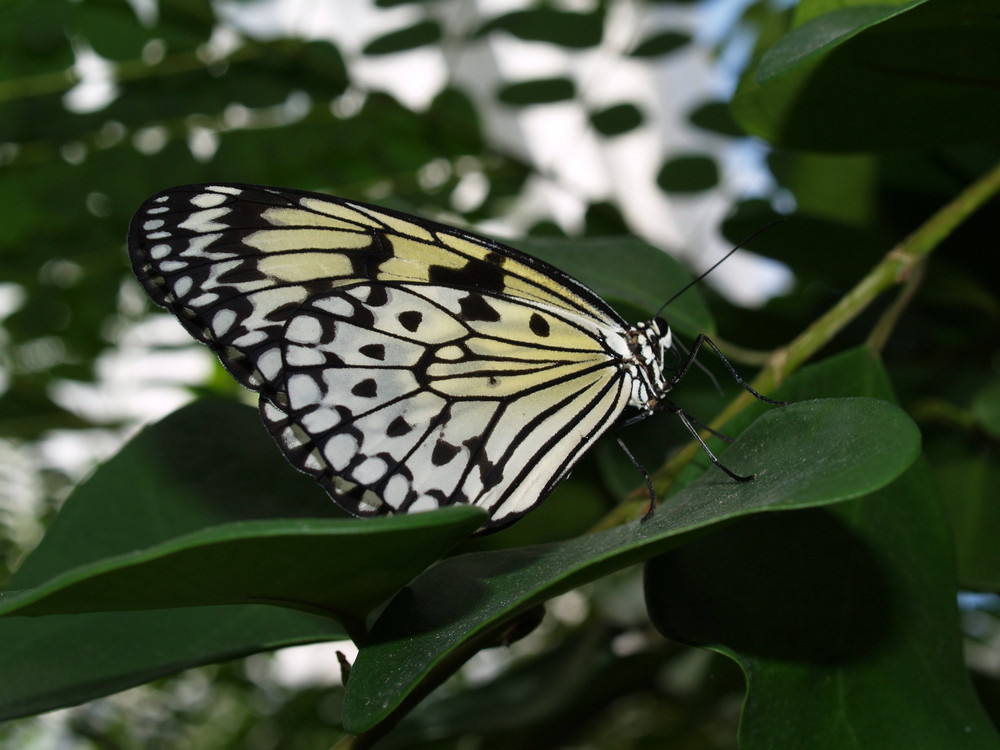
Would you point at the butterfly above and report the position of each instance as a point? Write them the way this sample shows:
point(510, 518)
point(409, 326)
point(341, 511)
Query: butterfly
point(404, 364)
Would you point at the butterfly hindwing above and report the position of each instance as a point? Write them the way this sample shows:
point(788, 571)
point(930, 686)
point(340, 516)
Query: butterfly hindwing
point(404, 364)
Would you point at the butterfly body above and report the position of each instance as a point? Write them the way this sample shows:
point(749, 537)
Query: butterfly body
point(404, 364)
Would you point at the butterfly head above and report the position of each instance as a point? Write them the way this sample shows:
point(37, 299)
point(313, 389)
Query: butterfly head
point(650, 343)
point(663, 333)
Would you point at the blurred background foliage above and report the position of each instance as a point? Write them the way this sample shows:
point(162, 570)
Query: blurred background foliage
point(603, 118)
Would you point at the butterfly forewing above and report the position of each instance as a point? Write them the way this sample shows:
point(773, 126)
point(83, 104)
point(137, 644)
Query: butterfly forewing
point(404, 364)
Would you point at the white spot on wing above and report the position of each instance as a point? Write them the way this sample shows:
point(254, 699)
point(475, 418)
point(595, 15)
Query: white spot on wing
point(370, 470)
point(339, 450)
point(203, 299)
point(396, 490)
point(205, 221)
point(335, 306)
point(320, 420)
point(305, 329)
point(269, 363)
point(304, 356)
point(449, 353)
point(251, 338)
point(303, 391)
point(223, 321)
point(198, 244)
point(208, 200)
point(182, 286)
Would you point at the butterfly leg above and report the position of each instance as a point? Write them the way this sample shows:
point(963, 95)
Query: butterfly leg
point(686, 420)
point(700, 425)
point(635, 462)
point(691, 424)
point(686, 365)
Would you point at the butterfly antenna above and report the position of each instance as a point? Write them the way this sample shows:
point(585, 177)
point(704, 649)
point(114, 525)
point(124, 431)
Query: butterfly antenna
point(719, 262)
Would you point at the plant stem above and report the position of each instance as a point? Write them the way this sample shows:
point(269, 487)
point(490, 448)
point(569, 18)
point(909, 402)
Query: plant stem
point(894, 268)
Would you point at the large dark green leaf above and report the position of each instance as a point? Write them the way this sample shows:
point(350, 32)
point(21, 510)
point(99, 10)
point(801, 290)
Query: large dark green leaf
point(60, 660)
point(537, 698)
point(968, 485)
point(201, 509)
point(824, 85)
point(197, 511)
point(853, 606)
point(110, 27)
point(33, 38)
point(986, 408)
point(820, 29)
point(807, 454)
point(343, 569)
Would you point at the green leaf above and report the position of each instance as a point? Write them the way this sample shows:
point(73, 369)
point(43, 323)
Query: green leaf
point(618, 119)
point(805, 454)
point(342, 569)
point(836, 188)
point(418, 35)
point(986, 408)
point(189, 515)
point(576, 675)
point(853, 606)
point(33, 38)
point(691, 173)
point(208, 465)
point(716, 117)
point(456, 123)
point(968, 485)
point(185, 23)
point(110, 26)
point(540, 91)
point(825, 32)
point(562, 28)
point(644, 279)
point(61, 660)
point(660, 44)
point(878, 77)
point(197, 511)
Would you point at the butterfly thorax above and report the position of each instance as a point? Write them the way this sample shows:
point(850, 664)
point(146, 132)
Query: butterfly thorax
point(648, 344)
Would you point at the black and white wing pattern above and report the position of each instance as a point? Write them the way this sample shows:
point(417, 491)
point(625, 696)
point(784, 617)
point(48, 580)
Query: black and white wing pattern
point(404, 364)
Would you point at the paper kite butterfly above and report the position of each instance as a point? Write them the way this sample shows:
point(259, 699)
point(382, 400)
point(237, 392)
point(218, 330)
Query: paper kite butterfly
point(404, 364)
